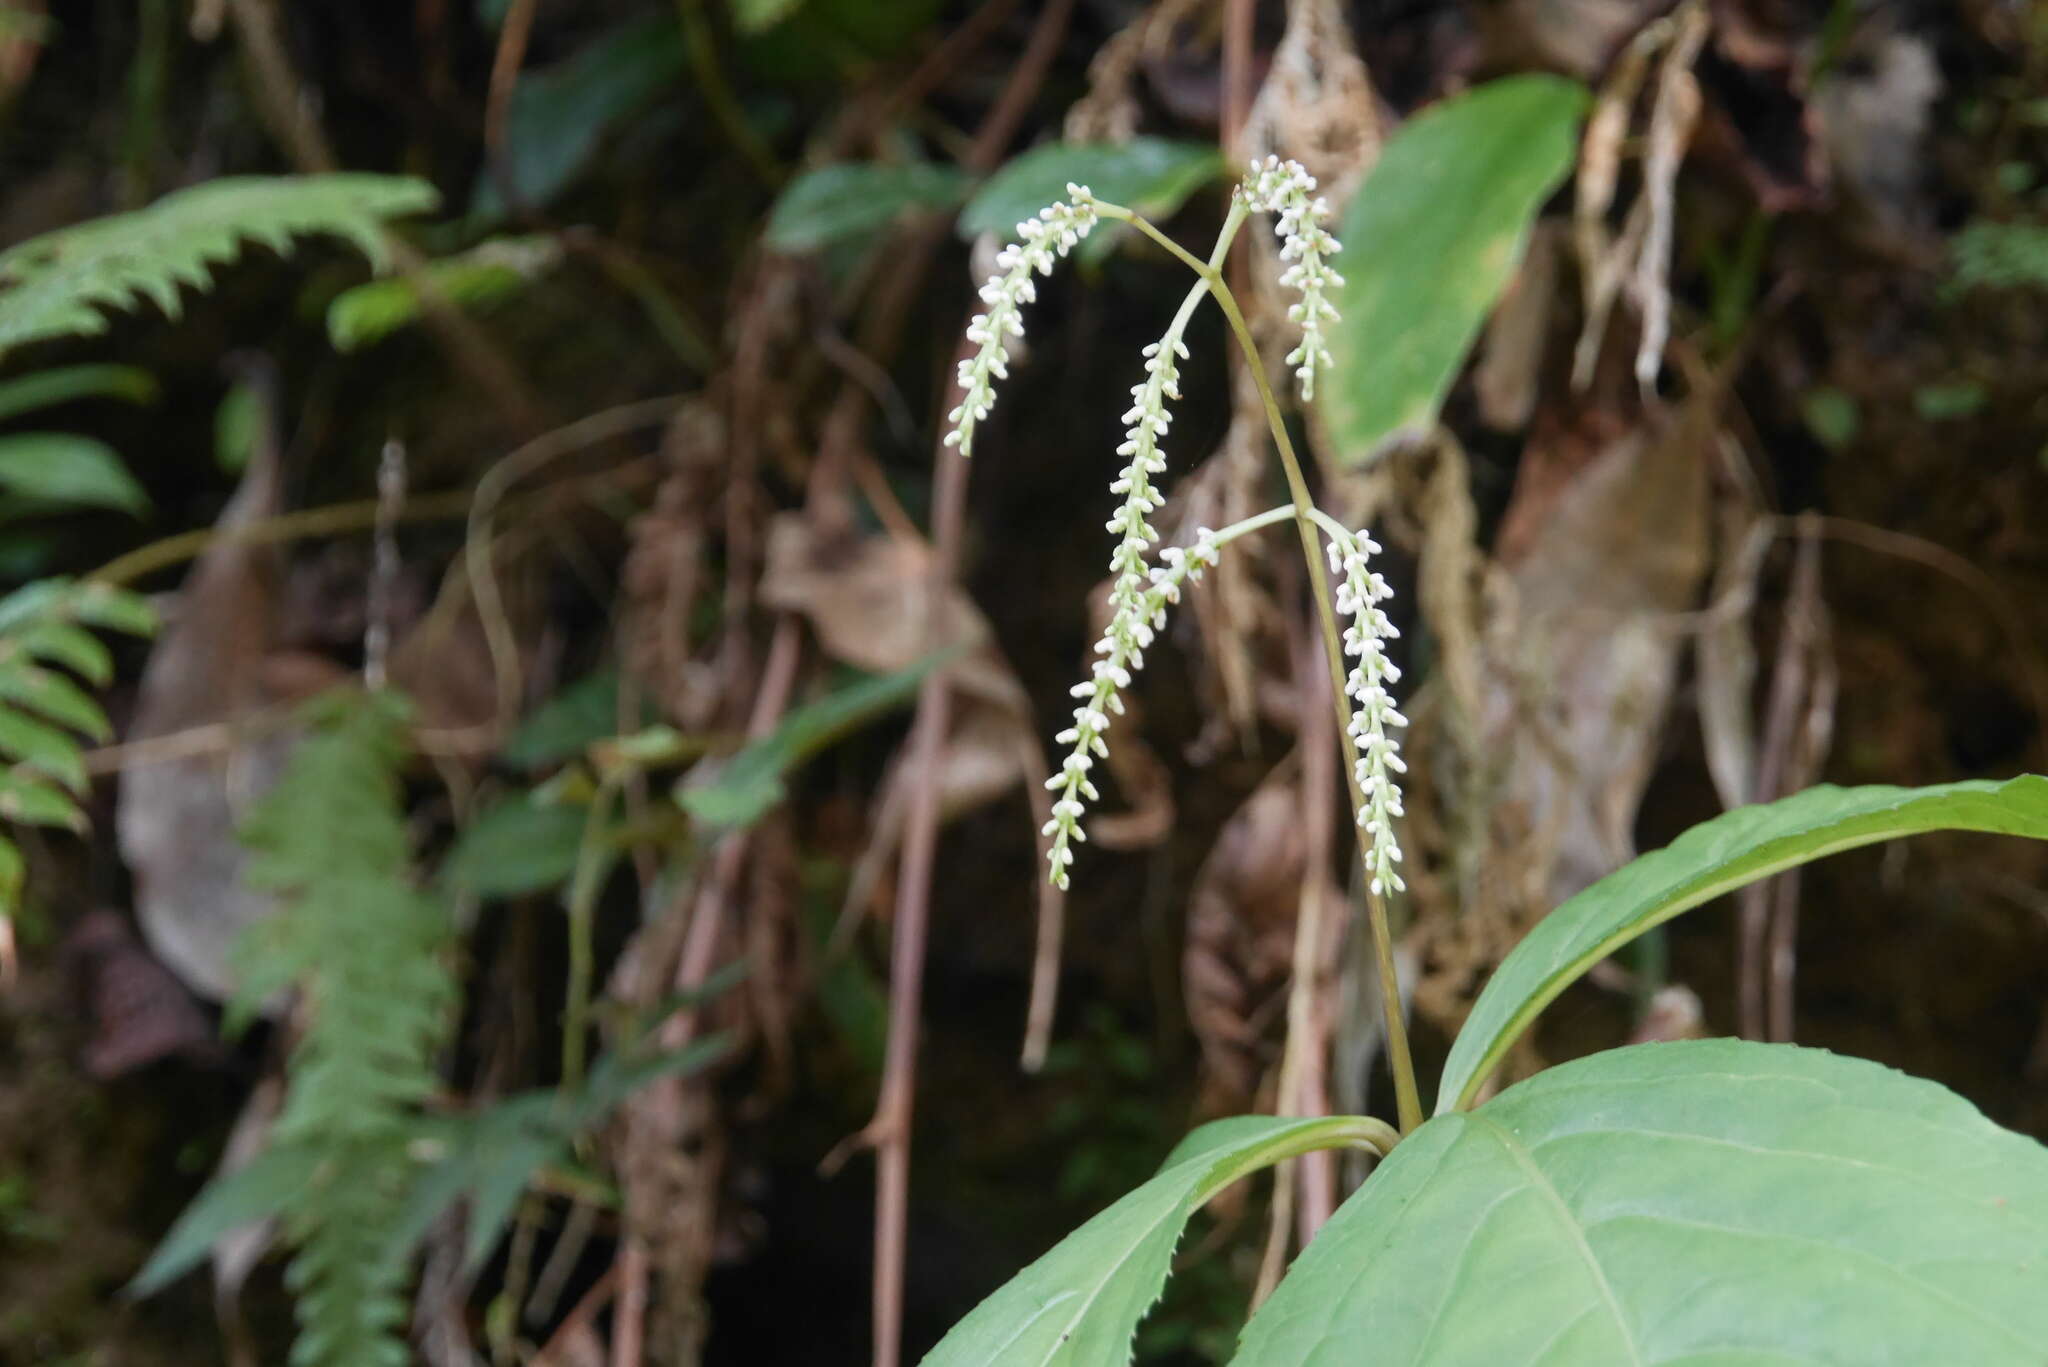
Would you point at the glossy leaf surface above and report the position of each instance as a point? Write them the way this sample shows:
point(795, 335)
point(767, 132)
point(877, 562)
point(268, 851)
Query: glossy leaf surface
point(1079, 1305)
point(1713, 857)
point(1430, 240)
point(1706, 1202)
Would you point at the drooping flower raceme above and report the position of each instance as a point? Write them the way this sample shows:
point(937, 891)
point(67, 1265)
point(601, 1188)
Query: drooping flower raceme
point(1360, 591)
point(1040, 243)
point(1138, 592)
point(1140, 612)
point(1286, 189)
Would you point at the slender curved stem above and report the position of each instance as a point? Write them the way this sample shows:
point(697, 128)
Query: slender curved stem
point(1407, 1099)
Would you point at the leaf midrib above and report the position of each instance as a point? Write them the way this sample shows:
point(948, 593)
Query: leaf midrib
point(1540, 1181)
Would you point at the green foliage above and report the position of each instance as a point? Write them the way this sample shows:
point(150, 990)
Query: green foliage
point(756, 16)
point(1831, 416)
point(55, 285)
point(851, 200)
point(518, 844)
point(68, 384)
point(1999, 256)
point(1080, 1303)
point(1707, 1201)
point(486, 274)
point(561, 113)
point(1712, 858)
point(366, 951)
point(1703, 1201)
point(45, 472)
point(741, 790)
point(43, 713)
point(1154, 176)
point(1949, 402)
point(1430, 240)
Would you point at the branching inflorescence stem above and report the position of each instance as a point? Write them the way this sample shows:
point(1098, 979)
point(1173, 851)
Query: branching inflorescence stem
point(1141, 592)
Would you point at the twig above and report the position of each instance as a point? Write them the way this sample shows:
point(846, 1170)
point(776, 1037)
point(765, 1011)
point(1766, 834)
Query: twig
point(331, 520)
point(554, 1353)
point(718, 96)
point(511, 55)
point(890, 1130)
point(599, 426)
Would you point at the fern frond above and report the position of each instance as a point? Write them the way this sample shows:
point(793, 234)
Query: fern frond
point(365, 949)
point(56, 284)
point(43, 714)
point(1999, 256)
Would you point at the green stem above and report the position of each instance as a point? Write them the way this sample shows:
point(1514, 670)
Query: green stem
point(718, 96)
point(1406, 1097)
point(1223, 536)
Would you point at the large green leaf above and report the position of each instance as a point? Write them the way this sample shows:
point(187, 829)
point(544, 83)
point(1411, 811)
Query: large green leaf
point(1152, 175)
point(1712, 858)
point(852, 199)
point(1709, 1202)
point(1430, 240)
point(1079, 1305)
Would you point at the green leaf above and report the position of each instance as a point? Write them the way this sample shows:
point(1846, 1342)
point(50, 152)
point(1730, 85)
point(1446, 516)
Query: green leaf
point(489, 1156)
point(237, 425)
point(1706, 1202)
point(12, 870)
point(73, 647)
point(68, 471)
point(560, 113)
point(743, 789)
point(516, 846)
point(67, 384)
point(41, 749)
point(488, 273)
point(1079, 1305)
point(852, 199)
point(1713, 857)
point(33, 801)
point(1155, 176)
point(1831, 416)
point(1949, 402)
point(756, 16)
point(256, 1191)
point(111, 608)
point(56, 697)
point(58, 283)
point(1430, 240)
point(565, 725)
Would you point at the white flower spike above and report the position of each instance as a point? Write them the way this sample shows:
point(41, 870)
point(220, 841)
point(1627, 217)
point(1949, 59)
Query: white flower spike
point(1285, 188)
point(1040, 243)
point(1360, 591)
point(1140, 600)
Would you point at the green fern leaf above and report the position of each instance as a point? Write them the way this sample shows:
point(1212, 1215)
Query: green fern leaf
point(366, 951)
point(1999, 256)
point(56, 285)
point(42, 713)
